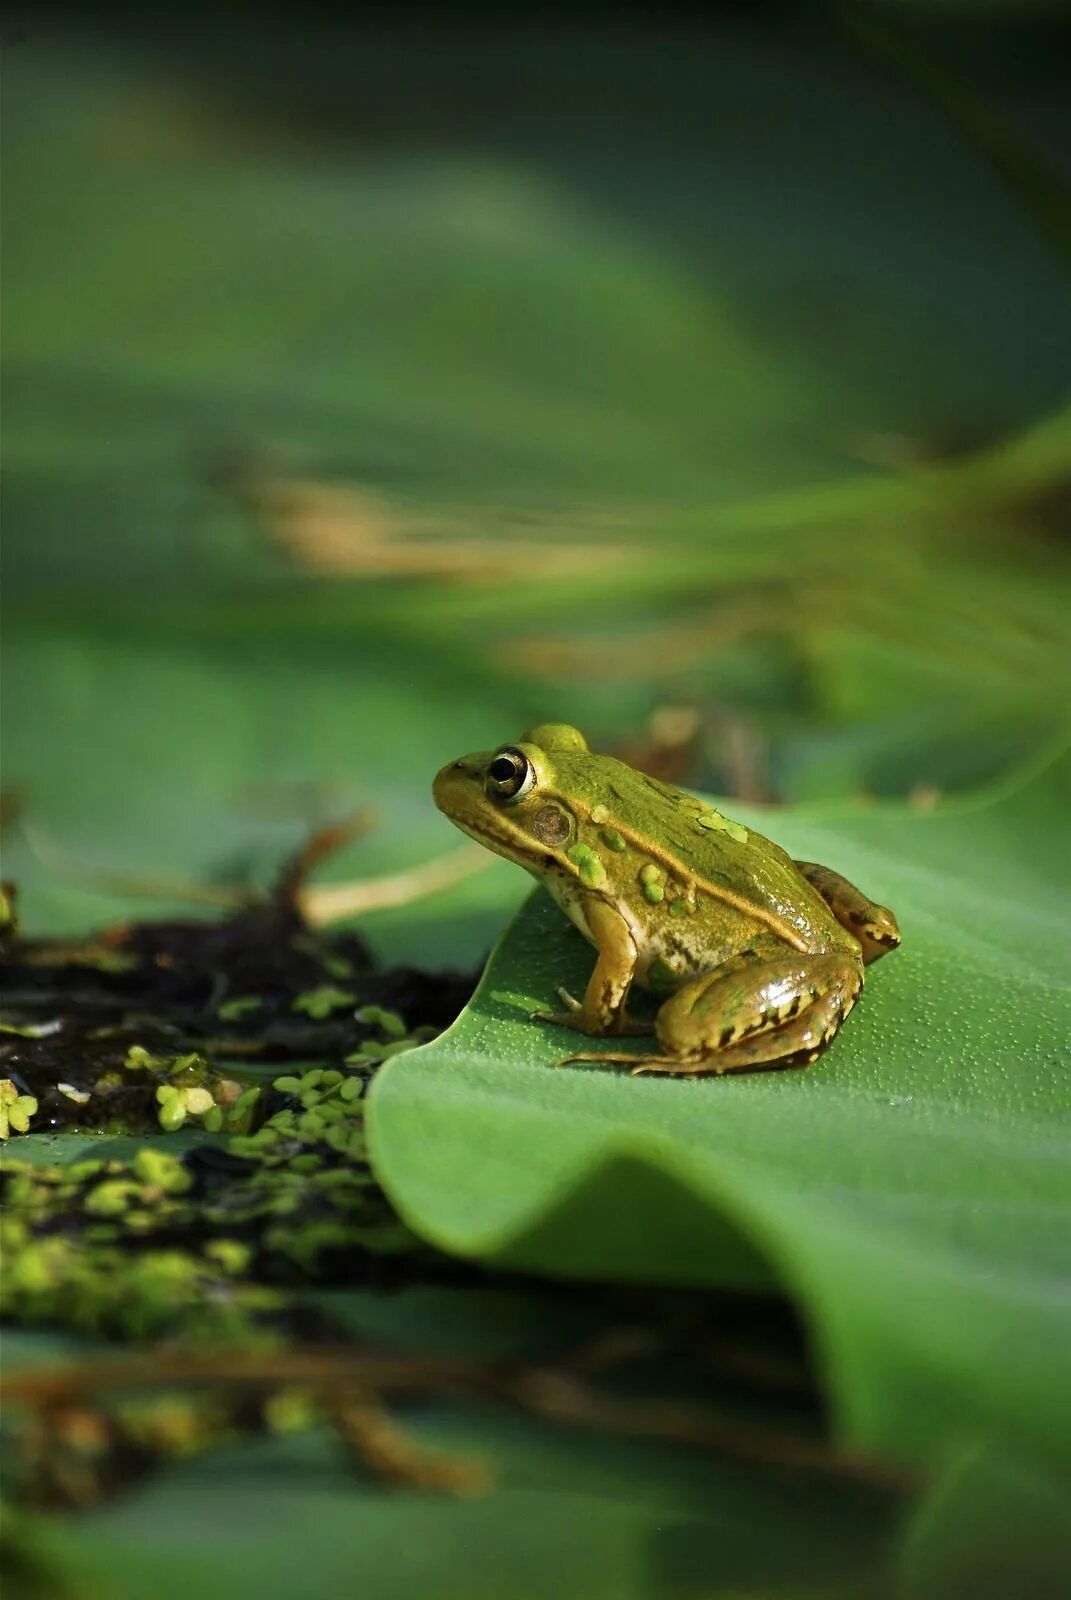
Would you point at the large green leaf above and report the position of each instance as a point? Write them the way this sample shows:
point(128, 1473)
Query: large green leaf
point(572, 1514)
point(911, 1191)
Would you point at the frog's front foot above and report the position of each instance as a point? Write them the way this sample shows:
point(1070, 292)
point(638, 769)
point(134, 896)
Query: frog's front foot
point(572, 1017)
point(580, 1020)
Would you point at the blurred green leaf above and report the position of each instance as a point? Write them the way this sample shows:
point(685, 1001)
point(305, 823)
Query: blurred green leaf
point(994, 1527)
point(571, 1513)
point(683, 319)
point(572, 1516)
point(685, 289)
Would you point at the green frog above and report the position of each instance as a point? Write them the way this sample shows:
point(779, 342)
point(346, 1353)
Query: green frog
point(758, 958)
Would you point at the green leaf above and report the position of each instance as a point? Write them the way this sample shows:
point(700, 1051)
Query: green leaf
point(995, 1526)
point(234, 1010)
point(319, 1003)
point(571, 1519)
point(910, 1191)
point(64, 1149)
point(571, 1514)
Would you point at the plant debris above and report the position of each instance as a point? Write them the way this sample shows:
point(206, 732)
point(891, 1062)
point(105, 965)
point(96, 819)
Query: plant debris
point(91, 1430)
point(196, 1246)
point(151, 1028)
point(101, 1032)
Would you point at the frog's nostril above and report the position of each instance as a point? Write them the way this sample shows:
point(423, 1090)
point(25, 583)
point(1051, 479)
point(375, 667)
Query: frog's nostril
point(459, 766)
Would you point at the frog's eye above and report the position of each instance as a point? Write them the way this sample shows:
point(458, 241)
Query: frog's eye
point(511, 775)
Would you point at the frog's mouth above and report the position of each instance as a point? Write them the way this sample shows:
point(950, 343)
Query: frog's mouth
point(455, 794)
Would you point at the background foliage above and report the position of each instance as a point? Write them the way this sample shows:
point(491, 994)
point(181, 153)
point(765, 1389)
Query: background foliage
point(372, 393)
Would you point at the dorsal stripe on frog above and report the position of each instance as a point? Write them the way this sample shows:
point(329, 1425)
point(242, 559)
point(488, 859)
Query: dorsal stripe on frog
point(729, 897)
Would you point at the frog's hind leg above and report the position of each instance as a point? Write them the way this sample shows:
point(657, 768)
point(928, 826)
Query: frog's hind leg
point(874, 926)
point(746, 1017)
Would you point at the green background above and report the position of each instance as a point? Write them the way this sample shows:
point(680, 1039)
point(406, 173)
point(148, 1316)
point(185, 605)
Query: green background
point(766, 318)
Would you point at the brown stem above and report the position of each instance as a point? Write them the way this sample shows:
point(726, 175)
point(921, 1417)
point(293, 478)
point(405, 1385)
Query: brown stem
point(552, 1394)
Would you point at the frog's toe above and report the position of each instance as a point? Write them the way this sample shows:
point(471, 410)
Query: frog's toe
point(598, 1058)
point(878, 933)
point(672, 1066)
point(560, 1019)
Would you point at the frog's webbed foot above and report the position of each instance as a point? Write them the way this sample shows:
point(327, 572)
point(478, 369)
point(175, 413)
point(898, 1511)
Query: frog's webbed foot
point(622, 1058)
point(874, 926)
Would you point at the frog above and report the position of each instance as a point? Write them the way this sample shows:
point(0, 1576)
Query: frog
point(755, 958)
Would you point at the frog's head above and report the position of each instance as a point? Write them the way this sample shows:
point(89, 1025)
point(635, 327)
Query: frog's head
point(529, 801)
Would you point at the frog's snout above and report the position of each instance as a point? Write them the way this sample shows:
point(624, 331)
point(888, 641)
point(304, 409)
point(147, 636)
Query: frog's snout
point(445, 781)
point(453, 781)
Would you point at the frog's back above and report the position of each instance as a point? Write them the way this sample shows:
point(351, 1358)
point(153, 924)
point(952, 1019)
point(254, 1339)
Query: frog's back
point(729, 862)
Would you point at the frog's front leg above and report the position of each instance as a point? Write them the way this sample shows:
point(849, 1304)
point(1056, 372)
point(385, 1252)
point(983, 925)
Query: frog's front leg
point(874, 926)
point(749, 1015)
point(602, 1009)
